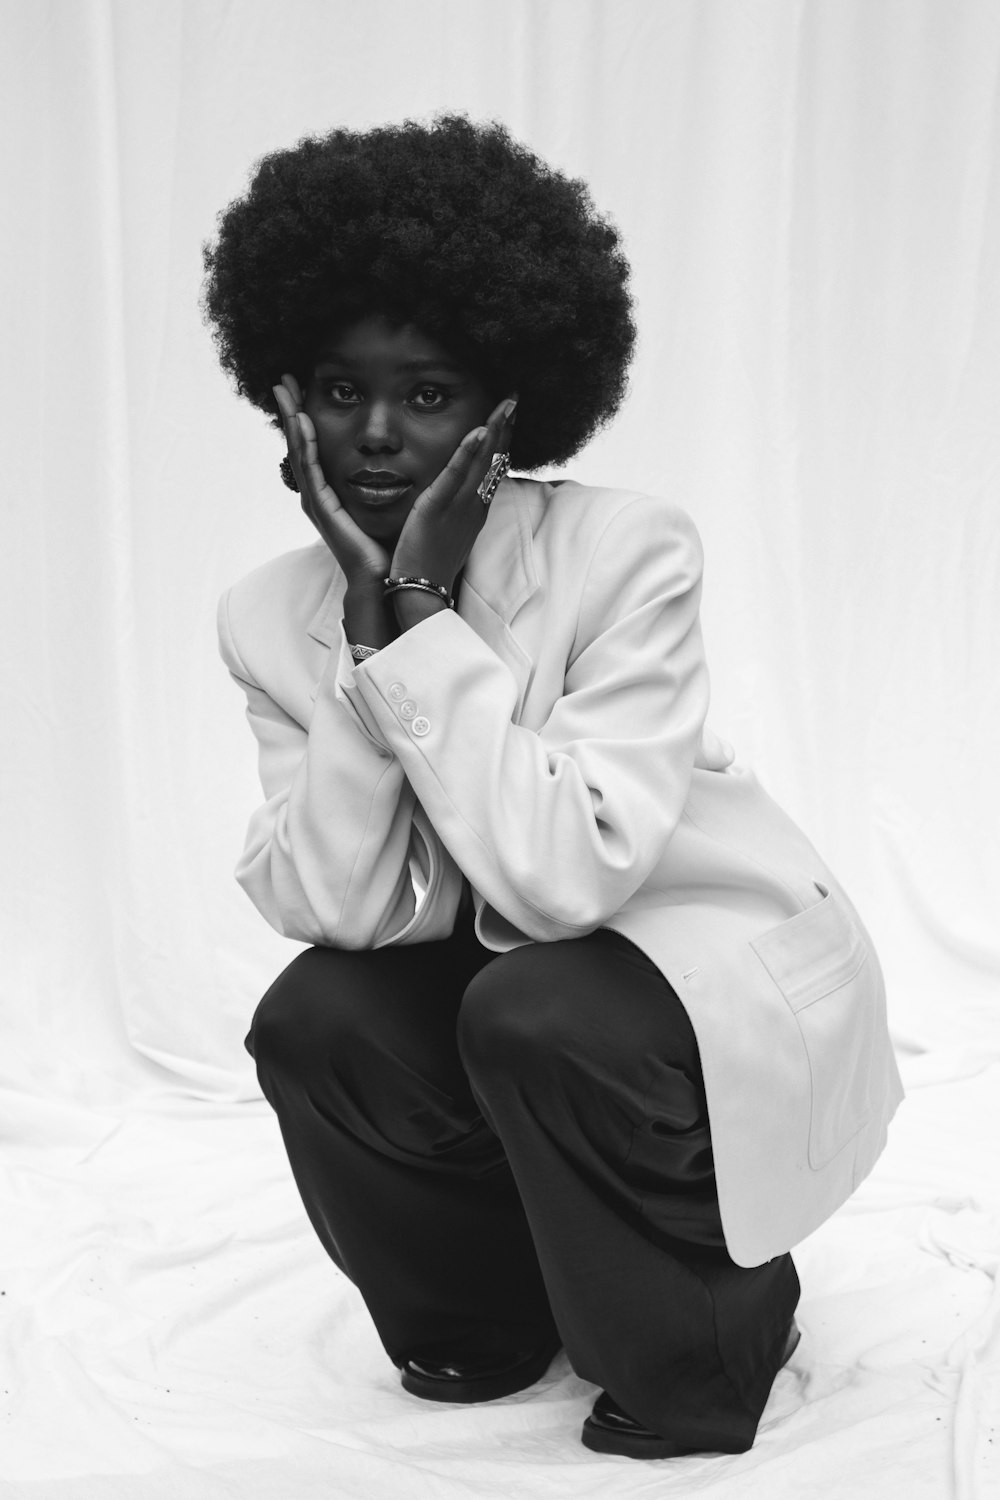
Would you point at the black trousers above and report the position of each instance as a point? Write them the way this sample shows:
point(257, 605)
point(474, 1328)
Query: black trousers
point(506, 1150)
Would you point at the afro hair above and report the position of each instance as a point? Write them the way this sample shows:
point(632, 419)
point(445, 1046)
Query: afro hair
point(451, 226)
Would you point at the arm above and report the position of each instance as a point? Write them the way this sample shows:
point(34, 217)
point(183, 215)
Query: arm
point(557, 827)
point(328, 855)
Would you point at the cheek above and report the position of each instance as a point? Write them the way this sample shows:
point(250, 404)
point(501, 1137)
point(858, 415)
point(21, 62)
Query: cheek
point(332, 438)
point(439, 446)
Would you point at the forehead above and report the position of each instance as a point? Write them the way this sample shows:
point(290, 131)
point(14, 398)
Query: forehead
point(377, 342)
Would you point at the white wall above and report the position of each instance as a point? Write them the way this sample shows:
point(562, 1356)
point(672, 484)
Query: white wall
point(808, 190)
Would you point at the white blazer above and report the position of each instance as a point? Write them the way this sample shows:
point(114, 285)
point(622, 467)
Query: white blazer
point(548, 741)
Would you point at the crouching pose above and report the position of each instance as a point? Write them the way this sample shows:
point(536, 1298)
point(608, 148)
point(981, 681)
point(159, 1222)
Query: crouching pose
point(588, 1035)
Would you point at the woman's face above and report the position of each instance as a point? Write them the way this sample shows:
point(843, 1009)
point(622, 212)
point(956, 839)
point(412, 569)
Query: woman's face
point(390, 406)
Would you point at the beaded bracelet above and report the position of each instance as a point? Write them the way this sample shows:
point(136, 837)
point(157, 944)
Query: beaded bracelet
point(393, 585)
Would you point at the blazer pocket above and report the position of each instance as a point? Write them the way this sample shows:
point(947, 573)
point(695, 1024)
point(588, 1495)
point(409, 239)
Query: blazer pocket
point(822, 966)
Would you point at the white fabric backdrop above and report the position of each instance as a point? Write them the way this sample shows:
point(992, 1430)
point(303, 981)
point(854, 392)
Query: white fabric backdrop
point(808, 190)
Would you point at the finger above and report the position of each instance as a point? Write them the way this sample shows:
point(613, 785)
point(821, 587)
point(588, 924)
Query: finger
point(296, 451)
point(503, 414)
point(294, 389)
point(459, 467)
point(499, 428)
point(307, 435)
point(509, 413)
point(495, 442)
point(289, 411)
point(286, 404)
point(286, 409)
point(312, 470)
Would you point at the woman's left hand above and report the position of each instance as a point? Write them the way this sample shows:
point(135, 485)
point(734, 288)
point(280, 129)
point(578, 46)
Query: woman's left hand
point(440, 530)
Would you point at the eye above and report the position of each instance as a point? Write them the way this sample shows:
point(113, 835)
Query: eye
point(342, 394)
point(430, 397)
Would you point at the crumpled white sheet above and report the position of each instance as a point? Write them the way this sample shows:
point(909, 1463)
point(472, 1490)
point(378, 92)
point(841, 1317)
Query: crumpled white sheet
point(171, 1327)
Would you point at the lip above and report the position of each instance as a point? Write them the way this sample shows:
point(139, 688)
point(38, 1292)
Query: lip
point(379, 486)
point(379, 491)
point(372, 477)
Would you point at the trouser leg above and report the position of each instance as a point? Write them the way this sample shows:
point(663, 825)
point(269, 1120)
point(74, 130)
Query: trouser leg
point(405, 1184)
point(583, 1060)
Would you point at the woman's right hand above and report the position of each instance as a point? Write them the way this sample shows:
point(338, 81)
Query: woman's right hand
point(363, 561)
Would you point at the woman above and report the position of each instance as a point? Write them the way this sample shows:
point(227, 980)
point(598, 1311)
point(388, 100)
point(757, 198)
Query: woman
point(589, 1036)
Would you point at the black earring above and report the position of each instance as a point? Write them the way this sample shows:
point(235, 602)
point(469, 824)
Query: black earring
point(287, 474)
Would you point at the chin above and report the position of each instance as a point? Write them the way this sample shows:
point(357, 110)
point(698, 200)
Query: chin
point(380, 529)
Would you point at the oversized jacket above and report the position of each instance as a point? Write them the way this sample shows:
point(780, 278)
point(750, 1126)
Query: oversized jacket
point(547, 741)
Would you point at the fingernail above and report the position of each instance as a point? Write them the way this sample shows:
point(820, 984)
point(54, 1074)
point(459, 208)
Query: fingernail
point(510, 411)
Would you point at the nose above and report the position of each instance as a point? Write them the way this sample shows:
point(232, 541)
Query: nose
point(378, 429)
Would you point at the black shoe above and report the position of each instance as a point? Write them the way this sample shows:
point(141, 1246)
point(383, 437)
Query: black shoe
point(609, 1429)
point(471, 1378)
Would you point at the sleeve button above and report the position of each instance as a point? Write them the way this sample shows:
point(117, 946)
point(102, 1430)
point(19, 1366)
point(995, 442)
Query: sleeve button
point(397, 690)
point(408, 709)
point(420, 725)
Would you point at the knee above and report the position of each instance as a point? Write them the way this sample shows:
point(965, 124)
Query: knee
point(518, 1014)
point(301, 1018)
point(551, 1009)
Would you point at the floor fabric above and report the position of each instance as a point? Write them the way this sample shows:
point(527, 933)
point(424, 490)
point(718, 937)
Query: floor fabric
point(171, 1327)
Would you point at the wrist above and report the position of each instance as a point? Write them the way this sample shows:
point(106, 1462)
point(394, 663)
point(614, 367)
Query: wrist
point(367, 619)
point(411, 606)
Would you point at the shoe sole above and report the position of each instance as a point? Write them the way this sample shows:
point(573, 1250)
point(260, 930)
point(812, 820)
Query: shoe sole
point(487, 1388)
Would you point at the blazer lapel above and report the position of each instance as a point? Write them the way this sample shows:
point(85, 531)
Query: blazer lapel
point(325, 623)
point(499, 577)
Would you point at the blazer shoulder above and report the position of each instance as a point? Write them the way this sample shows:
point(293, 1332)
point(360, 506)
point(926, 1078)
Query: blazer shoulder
point(631, 523)
point(306, 570)
point(281, 595)
point(600, 504)
point(293, 583)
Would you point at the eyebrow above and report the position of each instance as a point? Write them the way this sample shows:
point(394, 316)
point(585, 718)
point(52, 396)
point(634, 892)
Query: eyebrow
point(410, 367)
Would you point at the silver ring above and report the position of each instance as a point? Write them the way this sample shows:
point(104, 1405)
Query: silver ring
point(499, 464)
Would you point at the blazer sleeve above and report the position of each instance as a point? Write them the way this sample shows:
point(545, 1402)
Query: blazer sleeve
point(557, 827)
point(330, 855)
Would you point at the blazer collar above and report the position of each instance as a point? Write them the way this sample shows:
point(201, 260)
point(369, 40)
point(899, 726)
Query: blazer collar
point(500, 576)
point(501, 566)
